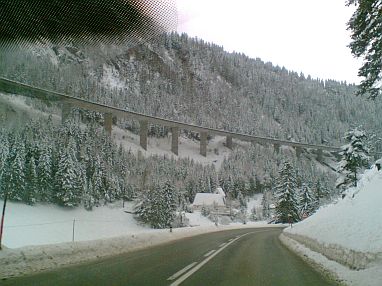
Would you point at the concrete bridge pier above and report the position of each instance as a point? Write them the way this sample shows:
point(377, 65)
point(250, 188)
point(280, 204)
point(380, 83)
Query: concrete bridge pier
point(203, 144)
point(320, 155)
point(298, 151)
point(229, 143)
point(175, 140)
point(144, 126)
point(65, 112)
point(108, 122)
point(276, 148)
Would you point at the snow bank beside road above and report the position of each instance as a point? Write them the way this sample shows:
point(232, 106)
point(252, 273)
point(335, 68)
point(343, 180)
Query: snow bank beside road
point(354, 223)
point(349, 231)
point(367, 277)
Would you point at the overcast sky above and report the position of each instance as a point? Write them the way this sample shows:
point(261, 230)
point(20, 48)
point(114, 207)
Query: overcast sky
point(301, 35)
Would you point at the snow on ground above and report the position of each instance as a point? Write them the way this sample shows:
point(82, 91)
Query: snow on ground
point(370, 276)
point(255, 203)
point(21, 109)
point(348, 232)
point(197, 219)
point(43, 224)
point(47, 224)
point(111, 78)
point(40, 237)
point(216, 151)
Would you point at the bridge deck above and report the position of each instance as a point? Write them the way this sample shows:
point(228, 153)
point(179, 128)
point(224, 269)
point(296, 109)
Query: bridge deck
point(14, 87)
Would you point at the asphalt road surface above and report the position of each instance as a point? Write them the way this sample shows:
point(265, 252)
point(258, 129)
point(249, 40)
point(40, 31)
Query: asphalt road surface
point(235, 257)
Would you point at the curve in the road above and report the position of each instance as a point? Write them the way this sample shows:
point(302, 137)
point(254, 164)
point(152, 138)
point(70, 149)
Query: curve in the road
point(241, 257)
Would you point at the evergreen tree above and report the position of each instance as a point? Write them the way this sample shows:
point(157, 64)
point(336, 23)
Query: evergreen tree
point(287, 195)
point(355, 155)
point(12, 179)
point(169, 197)
point(88, 199)
point(241, 199)
point(31, 182)
point(17, 183)
point(158, 206)
point(308, 203)
point(44, 175)
point(366, 34)
point(253, 214)
point(96, 181)
point(320, 193)
point(68, 190)
point(265, 202)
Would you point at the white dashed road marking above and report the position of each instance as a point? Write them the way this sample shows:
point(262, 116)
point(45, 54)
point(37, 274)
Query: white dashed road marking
point(209, 253)
point(180, 272)
point(200, 265)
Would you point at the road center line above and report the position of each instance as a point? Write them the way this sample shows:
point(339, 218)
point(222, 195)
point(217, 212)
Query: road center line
point(221, 245)
point(200, 265)
point(180, 272)
point(209, 253)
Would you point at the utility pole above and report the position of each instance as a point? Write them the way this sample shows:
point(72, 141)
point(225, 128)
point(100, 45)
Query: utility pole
point(2, 218)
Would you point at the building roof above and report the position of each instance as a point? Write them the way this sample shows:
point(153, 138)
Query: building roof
point(208, 199)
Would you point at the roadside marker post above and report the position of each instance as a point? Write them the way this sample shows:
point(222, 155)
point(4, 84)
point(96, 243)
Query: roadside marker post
point(74, 223)
point(2, 218)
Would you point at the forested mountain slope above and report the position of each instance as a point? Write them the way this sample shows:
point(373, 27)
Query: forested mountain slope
point(186, 79)
point(179, 78)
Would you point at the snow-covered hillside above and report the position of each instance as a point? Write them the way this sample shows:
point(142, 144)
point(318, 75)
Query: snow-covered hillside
point(348, 232)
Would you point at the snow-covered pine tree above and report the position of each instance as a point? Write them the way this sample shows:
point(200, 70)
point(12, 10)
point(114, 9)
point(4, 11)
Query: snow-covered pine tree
point(145, 209)
point(253, 216)
point(265, 202)
point(286, 195)
point(13, 180)
point(31, 182)
point(44, 175)
point(169, 198)
point(158, 206)
point(308, 203)
point(355, 155)
point(87, 198)
point(3, 151)
point(17, 186)
point(96, 181)
point(241, 199)
point(68, 185)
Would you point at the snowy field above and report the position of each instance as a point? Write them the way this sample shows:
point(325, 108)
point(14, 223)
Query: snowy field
point(347, 233)
point(49, 224)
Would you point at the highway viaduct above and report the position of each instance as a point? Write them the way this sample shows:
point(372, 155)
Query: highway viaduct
point(14, 87)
